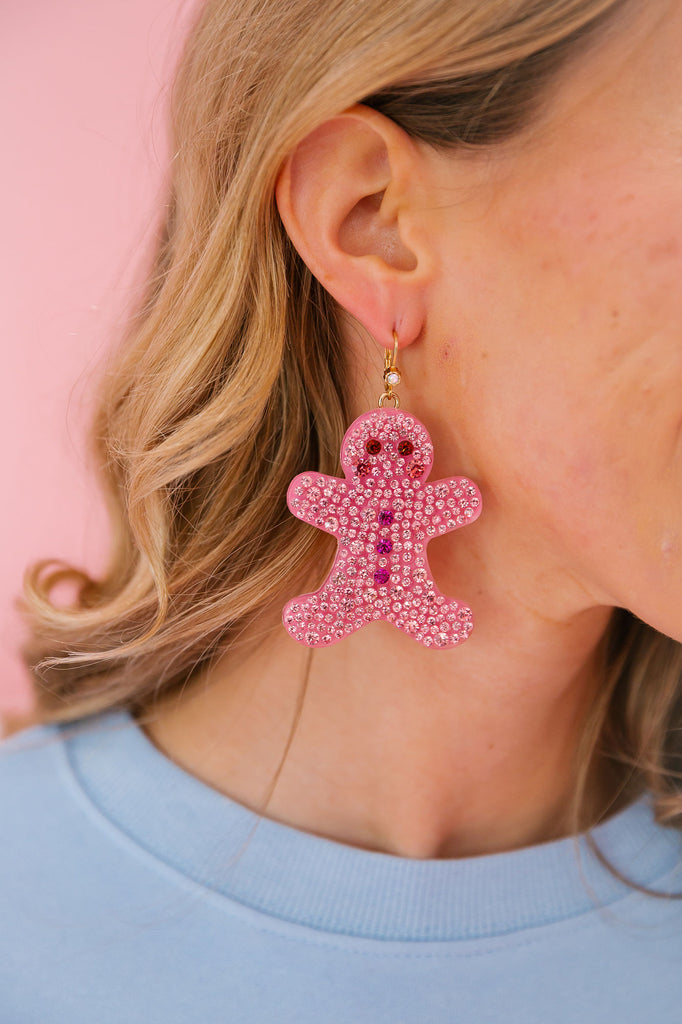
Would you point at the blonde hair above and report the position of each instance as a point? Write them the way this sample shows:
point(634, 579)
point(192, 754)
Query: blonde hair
point(230, 380)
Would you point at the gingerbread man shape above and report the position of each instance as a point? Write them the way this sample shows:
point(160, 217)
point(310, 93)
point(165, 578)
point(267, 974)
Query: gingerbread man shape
point(383, 514)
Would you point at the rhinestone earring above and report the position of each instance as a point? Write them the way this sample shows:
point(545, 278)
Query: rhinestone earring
point(383, 514)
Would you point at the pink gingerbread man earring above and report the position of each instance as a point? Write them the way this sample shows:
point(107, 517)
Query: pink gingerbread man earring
point(384, 514)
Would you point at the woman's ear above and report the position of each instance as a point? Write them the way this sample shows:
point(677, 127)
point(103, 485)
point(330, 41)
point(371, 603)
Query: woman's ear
point(348, 198)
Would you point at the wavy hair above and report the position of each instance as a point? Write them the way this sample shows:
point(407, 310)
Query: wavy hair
point(230, 378)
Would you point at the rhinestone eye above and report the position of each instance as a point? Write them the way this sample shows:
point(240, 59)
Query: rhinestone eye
point(373, 446)
point(405, 447)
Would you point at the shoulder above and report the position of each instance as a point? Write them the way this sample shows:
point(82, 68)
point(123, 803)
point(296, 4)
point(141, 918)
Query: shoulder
point(55, 856)
point(27, 753)
point(33, 790)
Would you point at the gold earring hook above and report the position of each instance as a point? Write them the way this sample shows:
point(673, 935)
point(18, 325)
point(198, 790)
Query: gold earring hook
point(391, 374)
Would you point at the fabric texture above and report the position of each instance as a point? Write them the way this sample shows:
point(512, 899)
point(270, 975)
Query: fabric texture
point(134, 892)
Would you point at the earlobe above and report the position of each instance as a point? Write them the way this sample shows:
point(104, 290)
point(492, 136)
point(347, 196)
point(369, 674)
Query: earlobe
point(345, 196)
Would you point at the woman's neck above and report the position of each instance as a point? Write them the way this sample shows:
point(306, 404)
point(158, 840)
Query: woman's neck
point(399, 748)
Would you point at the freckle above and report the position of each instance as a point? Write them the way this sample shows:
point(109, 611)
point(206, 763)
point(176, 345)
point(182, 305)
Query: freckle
point(664, 250)
point(484, 355)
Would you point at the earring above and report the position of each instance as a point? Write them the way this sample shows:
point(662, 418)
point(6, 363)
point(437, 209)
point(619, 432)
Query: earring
point(383, 514)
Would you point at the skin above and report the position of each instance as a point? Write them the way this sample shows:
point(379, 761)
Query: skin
point(535, 290)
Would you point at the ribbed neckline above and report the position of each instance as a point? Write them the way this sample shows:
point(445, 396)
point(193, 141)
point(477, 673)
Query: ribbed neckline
point(310, 880)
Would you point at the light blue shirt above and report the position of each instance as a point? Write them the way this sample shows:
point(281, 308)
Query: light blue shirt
point(122, 901)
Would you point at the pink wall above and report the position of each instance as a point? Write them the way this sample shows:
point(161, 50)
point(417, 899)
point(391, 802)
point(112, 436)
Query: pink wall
point(83, 86)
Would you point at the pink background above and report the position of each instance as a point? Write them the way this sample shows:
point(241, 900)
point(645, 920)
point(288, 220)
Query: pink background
point(83, 91)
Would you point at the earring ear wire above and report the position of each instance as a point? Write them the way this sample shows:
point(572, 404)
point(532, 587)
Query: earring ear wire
point(391, 374)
